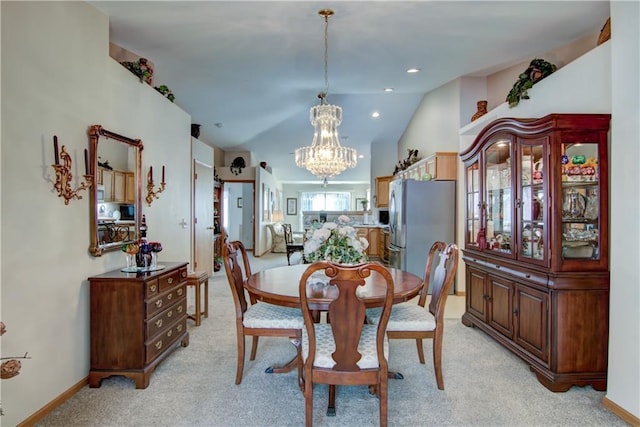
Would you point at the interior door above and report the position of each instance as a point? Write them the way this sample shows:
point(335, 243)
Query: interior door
point(203, 217)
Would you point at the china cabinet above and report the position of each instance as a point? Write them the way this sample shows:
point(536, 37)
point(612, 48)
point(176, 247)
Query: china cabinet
point(217, 221)
point(536, 243)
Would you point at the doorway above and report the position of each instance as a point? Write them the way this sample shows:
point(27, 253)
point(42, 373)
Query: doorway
point(203, 217)
point(238, 212)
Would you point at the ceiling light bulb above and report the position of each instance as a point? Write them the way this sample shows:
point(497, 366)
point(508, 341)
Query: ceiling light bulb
point(388, 89)
point(413, 70)
point(375, 114)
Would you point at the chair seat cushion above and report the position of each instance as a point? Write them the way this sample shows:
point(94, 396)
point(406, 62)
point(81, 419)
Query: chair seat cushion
point(263, 315)
point(407, 316)
point(325, 346)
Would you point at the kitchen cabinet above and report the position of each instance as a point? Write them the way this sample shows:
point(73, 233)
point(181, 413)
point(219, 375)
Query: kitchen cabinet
point(373, 236)
point(382, 191)
point(107, 183)
point(384, 246)
point(118, 186)
point(536, 243)
point(137, 319)
point(130, 187)
point(442, 165)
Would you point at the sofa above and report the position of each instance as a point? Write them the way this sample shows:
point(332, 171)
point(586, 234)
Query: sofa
point(278, 243)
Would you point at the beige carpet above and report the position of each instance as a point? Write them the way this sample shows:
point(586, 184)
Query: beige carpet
point(485, 385)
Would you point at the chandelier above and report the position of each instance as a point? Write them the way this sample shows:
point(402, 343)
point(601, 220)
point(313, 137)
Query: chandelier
point(325, 157)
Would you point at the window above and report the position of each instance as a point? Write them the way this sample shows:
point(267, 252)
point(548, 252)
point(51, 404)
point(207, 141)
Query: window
point(321, 201)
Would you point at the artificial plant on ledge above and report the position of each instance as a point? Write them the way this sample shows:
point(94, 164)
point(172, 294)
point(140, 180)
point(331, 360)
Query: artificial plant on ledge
point(538, 69)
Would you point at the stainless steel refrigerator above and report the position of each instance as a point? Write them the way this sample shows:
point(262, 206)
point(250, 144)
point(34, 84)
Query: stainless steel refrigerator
point(420, 212)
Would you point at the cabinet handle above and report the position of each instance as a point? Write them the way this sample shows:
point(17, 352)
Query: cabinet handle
point(152, 288)
point(179, 292)
point(159, 303)
point(179, 328)
point(184, 274)
point(158, 345)
point(169, 296)
point(170, 313)
point(170, 280)
point(515, 311)
point(169, 333)
point(159, 323)
point(179, 309)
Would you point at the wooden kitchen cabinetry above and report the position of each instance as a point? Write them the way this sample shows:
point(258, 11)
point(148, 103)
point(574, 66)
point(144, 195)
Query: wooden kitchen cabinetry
point(382, 191)
point(136, 320)
point(536, 243)
point(373, 236)
point(106, 179)
point(442, 165)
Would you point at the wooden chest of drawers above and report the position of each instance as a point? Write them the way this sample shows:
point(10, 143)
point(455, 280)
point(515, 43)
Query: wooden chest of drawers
point(136, 320)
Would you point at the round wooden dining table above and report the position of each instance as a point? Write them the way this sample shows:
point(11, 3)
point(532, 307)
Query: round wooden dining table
point(280, 286)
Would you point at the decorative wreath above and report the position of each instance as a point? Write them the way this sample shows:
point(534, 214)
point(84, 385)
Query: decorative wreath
point(237, 165)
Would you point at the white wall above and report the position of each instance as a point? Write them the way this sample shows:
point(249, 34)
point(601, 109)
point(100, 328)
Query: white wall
point(57, 79)
point(623, 387)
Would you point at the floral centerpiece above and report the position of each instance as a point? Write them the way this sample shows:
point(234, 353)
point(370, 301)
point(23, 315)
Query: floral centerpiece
point(337, 242)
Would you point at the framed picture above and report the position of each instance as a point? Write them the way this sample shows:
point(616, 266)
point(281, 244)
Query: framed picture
point(292, 206)
point(239, 202)
point(266, 213)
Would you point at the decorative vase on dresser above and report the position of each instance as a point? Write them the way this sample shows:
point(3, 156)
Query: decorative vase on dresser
point(136, 320)
point(537, 266)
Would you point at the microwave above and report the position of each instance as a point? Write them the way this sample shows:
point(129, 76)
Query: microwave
point(100, 192)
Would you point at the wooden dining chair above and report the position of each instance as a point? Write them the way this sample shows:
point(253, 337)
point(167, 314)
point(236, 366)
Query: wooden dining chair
point(415, 321)
point(253, 318)
point(292, 245)
point(346, 351)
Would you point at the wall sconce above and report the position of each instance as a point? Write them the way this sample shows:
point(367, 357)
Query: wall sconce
point(151, 194)
point(64, 176)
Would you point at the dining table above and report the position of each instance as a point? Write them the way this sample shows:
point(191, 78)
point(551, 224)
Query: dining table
point(280, 286)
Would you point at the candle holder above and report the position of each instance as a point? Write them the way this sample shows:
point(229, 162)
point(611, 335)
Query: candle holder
point(151, 193)
point(64, 176)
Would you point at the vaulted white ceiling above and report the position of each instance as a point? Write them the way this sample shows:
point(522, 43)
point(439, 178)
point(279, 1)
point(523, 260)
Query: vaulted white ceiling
point(249, 71)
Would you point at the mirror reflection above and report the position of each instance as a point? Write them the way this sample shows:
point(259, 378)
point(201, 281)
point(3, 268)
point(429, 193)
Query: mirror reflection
point(115, 199)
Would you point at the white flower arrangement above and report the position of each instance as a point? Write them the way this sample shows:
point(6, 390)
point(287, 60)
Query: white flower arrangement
point(335, 242)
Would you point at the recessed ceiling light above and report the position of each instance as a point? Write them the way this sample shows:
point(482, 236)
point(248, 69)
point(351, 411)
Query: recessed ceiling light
point(413, 70)
point(375, 114)
point(388, 89)
point(361, 156)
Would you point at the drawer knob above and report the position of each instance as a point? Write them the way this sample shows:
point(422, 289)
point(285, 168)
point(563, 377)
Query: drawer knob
point(169, 333)
point(158, 345)
point(159, 303)
point(179, 309)
point(179, 328)
point(159, 323)
point(170, 313)
point(179, 292)
point(170, 280)
point(152, 288)
point(169, 296)
point(184, 274)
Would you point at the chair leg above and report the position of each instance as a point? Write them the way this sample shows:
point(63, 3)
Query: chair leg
point(420, 350)
point(308, 402)
point(331, 407)
point(288, 257)
point(382, 394)
point(254, 347)
point(240, 361)
point(437, 360)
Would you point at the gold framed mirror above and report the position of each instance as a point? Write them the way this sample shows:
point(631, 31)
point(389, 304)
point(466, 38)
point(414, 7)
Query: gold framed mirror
point(115, 161)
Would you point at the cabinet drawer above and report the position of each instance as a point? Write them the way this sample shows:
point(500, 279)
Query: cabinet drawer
point(156, 305)
point(151, 288)
point(162, 321)
point(160, 343)
point(172, 279)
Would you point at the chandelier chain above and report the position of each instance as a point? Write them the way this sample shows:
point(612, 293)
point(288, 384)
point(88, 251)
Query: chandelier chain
point(326, 55)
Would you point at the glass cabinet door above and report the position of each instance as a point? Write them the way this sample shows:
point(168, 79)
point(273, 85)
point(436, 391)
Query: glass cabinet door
point(532, 201)
point(580, 201)
point(498, 196)
point(472, 204)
